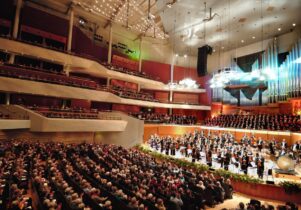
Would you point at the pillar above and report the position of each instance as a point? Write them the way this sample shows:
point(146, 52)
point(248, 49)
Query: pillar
point(110, 45)
point(67, 69)
point(17, 19)
point(108, 81)
point(7, 98)
point(70, 30)
point(140, 55)
point(16, 27)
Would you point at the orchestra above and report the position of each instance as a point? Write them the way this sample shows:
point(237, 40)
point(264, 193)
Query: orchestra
point(224, 151)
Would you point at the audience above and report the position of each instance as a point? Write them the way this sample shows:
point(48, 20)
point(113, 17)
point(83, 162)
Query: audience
point(128, 71)
point(166, 118)
point(66, 112)
point(259, 122)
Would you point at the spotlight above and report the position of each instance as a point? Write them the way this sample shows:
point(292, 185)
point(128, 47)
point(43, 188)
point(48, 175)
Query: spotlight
point(294, 24)
point(279, 29)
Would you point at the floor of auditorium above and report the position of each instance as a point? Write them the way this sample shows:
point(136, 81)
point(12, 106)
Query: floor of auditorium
point(238, 197)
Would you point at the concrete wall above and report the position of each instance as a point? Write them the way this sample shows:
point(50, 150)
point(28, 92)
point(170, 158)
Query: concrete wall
point(132, 135)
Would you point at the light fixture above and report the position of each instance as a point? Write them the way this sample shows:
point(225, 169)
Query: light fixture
point(222, 47)
point(177, 55)
point(279, 29)
point(242, 41)
point(253, 37)
point(294, 24)
point(185, 56)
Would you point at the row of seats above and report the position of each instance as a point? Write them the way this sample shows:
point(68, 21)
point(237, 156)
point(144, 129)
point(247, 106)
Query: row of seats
point(132, 94)
point(128, 71)
point(30, 74)
point(4, 116)
point(166, 118)
point(259, 122)
point(97, 176)
point(14, 178)
point(109, 66)
point(69, 113)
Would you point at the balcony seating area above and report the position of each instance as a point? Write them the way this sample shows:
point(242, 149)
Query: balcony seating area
point(132, 94)
point(128, 71)
point(34, 74)
point(4, 116)
point(108, 66)
point(101, 177)
point(66, 113)
point(259, 122)
point(165, 118)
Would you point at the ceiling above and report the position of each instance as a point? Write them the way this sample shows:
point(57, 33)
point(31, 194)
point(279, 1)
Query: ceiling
point(236, 23)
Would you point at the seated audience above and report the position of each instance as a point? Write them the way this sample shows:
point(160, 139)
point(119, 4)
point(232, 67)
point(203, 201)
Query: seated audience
point(258, 122)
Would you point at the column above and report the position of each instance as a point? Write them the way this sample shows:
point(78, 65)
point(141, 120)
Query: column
point(16, 27)
point(110, 44)
point(7, 98)
point(140, 55)
point(70, 30)
point(170, 101)
point(17, 19)
point(67, 69)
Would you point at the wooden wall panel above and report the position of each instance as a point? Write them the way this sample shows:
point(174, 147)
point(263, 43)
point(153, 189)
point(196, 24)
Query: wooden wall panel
point(186, 98)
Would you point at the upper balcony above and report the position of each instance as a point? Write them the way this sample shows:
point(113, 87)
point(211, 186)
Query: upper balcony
point(84, 65)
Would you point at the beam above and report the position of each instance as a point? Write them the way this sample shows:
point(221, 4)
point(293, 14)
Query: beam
point(113, 15)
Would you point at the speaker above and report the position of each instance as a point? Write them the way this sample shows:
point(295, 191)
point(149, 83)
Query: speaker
point(202, 59)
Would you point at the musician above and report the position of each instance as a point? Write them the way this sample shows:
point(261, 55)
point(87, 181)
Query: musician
point(271, 147)
point(259, 144)
point(244, 163)
point(260, 167)
point(227, 160)
point(283, 144)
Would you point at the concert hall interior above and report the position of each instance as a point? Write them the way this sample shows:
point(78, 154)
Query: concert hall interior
point(150, 104)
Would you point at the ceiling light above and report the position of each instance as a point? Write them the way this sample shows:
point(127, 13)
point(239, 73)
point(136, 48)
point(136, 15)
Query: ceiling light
point(185, 56)
point(213, 50)
point(279, 29)
point(253, 37)
point(242, 41)
point(294, 24)
point(177, 55)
